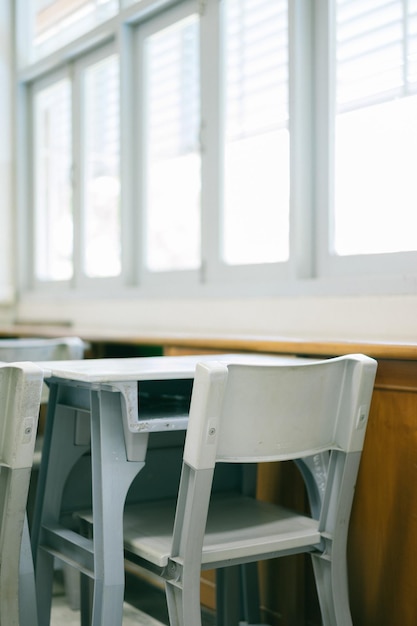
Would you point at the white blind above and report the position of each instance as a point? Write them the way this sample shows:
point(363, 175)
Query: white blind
point(376, 51)
point(256, 138)
point(53, 189)
point(376, 127)
point(102, 244)
point(257, 67)
point(173, 83)
point(173, 163)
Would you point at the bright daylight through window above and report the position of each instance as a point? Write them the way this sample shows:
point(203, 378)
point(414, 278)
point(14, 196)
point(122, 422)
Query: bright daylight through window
point(376, 127)
point(53, 192)
point(256, 175)
point(203, 146)
point(173, 165)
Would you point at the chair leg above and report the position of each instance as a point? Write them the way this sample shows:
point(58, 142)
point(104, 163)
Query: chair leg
point(237, 596)
point(332, 590)
point(330, 567)
point(174, 602)
point(15, 563)
point(44, 573)
point(27, 592)
point(183, 604)
point(184, 599)
point(228, 612)
point(250, 593)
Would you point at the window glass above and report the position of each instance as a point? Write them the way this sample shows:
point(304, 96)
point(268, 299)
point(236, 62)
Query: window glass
point(52, 182)
point(256, 150)
point(172, 168)
point(101, 214)
point(376, 127)
point(57, 22)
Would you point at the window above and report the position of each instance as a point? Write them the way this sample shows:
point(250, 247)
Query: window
point(203, 147)
point(172, 162)
point(53, 189)
point(101, 184)
point(256, 138)
point(76, 172)
point(376, 127)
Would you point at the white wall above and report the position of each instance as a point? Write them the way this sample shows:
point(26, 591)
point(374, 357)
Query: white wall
point(367, 318)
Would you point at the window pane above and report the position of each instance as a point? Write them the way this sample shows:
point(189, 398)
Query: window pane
point(376, 127)
point(102, 246)
point(173, 159)
point(57, 22)
point(53, 193)
point(256, 152)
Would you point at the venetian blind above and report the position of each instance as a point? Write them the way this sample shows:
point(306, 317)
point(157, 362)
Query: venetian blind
point(256, 137)
point(376, 51)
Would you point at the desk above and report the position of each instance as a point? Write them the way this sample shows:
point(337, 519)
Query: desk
point(95, 405)
point(382, 563)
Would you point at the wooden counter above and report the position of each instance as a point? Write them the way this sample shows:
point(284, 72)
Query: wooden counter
point(217, 342)
point(382, 550)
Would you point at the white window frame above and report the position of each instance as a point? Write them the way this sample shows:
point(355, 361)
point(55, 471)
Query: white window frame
point(73, 70)
point(80, 279)
point(163, 280)
point(370, 273)
point(27, 193)
point(312, 268)
point(263, 276)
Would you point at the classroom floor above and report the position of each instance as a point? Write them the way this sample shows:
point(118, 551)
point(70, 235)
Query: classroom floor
point(151, 601)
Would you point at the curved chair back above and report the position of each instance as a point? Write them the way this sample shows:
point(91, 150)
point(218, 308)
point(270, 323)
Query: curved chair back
point(20, 395)
point(34, 349)
point(313, 413)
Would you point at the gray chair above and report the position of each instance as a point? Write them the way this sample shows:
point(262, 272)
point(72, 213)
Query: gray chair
point(41, 349)
point(314, 414)
point(20, 395)
point(46, 349)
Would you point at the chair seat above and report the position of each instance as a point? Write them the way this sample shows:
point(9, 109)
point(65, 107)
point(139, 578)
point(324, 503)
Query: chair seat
point(252, 527)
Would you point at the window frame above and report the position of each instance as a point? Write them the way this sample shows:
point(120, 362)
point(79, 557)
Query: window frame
point(312, 268)
point(381, 272)
point(147, 279)
point(80, 66)
point(73, 70)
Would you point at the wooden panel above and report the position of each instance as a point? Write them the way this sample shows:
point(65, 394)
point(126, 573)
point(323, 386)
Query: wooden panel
point(283, 580)
point(383, 532)
point(396, 375)
point(181, 351)
point(208, 589)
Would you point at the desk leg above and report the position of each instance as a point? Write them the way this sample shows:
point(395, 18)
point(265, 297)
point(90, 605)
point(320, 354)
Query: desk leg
point(112, 476)
point(59, 456)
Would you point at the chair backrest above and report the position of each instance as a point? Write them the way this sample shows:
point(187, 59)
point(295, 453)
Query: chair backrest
point(252, 413)
point(33, 349)
point(20, 393)
point(20, 396)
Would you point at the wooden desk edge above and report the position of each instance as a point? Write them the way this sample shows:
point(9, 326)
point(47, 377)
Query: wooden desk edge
point(221, 342)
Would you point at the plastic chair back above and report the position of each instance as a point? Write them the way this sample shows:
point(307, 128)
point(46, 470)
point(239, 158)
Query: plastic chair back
point(33, 349)
point(271, 413)
point(20, 394)
point(315, 414)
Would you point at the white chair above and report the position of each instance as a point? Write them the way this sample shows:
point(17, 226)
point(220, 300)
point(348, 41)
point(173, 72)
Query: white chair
point(46, 349)
point(20, 395)
point(315, 414)
point(42, 349)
